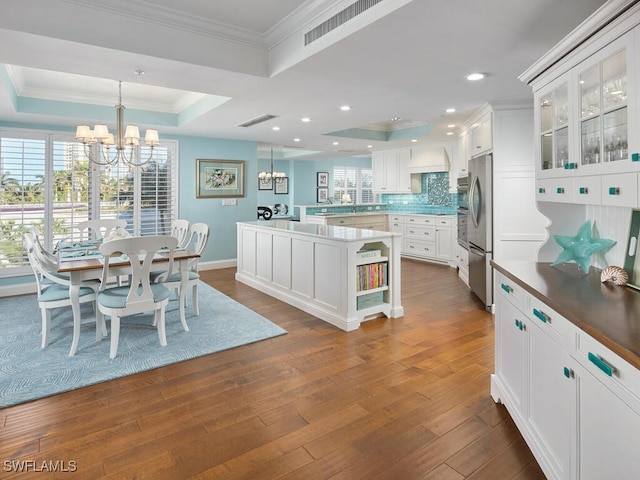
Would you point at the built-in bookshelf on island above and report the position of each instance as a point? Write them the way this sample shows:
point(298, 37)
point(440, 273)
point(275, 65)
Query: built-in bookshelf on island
point(342, 275)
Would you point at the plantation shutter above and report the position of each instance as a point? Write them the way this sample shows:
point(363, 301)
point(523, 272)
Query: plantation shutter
point(22, 174)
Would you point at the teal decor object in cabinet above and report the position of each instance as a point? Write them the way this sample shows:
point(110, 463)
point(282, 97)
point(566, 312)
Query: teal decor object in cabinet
point(580, 248)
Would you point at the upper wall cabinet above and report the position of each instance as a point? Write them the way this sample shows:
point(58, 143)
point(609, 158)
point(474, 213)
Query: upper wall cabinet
point(482, 135)
point(553, 129)
point(586, 117)
point(390, 171)
point(606, 109)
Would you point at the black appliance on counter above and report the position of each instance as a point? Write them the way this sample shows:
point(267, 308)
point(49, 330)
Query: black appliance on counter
point(463, 211)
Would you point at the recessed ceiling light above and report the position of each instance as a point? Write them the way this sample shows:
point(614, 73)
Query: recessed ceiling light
point(451, 125)
point(336, 143)
point(296, 139)
point(413, 140)
point(369, 146)
point(475, 76)
point(345, 108)
point(449, 133)
point(450, 110)
point(394, 119)
point(306, 119)
point(275, 128)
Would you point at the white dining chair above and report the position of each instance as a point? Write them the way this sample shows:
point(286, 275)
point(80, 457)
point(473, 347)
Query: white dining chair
point(100, 227)
point(140, 295)
point(53, 292)
point(199, 236)
point(180, 230)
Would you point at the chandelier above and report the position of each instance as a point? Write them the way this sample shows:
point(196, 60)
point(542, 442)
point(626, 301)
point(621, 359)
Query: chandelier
point(126, 141)
point(267, 177)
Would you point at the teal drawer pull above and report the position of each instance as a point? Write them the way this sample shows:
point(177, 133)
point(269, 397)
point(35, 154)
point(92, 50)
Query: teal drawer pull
point(634, 157)
point(568, 372)
point(614, 191)
point(506, 288)
point(541, 190)
point(540, 315)
point(560, 190)
point(520, 325)
point(584, 190)
point(601, 364)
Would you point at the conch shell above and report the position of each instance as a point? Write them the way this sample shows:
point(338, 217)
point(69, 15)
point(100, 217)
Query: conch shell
point(614, 274)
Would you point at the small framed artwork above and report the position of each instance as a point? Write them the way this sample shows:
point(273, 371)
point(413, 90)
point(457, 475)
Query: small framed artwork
point(265, 183)
point(322, 195)
point(282, 186)
point(219, 178)
point(323, 179)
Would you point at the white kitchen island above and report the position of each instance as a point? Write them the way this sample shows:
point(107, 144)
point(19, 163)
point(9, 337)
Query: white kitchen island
point(342, 275)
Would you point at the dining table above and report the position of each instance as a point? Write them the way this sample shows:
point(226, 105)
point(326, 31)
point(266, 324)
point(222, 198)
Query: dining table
point(82, 261)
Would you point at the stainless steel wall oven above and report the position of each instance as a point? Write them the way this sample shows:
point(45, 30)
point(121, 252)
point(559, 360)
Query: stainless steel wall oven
point(463, 211)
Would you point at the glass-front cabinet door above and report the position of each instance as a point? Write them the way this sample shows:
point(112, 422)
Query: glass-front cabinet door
point(604, 111)
point(553, 117)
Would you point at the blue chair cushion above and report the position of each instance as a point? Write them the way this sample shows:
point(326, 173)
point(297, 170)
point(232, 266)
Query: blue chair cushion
point(175, 277)
point(116, 297)
point(57, 292)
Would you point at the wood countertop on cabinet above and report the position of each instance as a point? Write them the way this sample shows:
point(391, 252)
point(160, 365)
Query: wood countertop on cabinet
point(608, 312)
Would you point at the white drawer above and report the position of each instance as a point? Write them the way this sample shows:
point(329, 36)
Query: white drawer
point(396, 219)
point(588, 190)
point(420, 233)
point(611, 369)
point(551, 322)
point(620, 190)
point(366, 221)
point(555, 190)
point(510, 290)
point(444, 221)
point(341, 221)
point(422, 220)
point(423, 249)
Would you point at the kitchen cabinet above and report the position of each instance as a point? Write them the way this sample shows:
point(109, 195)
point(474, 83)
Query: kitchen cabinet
point(462, 262)
point(575, 401)
point(319, 269)
point(531, 357)
point(482, 135)
point(391, 170)
point(584, 121)
point(608, 413)
point(367, 221)
point(428, 237)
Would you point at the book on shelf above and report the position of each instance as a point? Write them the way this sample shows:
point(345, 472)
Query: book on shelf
point(372, 275)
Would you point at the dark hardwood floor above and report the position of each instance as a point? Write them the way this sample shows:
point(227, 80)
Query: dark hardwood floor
point(404, 398)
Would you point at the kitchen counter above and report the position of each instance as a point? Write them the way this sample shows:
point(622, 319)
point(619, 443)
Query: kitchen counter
point(340, 274)
point(343, 234)
point(608, 312)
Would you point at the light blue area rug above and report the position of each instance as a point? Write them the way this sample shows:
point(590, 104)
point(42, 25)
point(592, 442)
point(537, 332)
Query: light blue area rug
point(28, 372)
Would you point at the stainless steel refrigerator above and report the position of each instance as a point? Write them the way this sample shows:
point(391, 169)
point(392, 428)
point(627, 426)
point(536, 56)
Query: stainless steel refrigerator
point(480, 228)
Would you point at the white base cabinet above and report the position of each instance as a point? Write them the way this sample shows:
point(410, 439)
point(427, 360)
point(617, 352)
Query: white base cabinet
point(319, 269)
point(426, 237)
point(576, 403)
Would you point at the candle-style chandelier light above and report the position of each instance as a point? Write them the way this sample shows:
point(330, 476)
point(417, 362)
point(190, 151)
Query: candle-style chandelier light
point(126, 141)
point(267, 177)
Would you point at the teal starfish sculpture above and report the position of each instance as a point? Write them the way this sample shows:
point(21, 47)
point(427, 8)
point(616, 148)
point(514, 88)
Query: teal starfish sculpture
point(581, 247)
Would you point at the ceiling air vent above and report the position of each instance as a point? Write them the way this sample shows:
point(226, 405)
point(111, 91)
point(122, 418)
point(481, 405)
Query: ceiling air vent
point(255, 121)
point(338, 19)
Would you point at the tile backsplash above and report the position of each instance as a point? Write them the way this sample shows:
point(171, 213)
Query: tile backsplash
point(434, 197)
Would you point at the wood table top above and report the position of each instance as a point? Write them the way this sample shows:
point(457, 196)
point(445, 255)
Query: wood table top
point(96, 262)
point(608, 312)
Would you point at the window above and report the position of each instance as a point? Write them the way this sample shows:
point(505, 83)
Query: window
point(355, 182)
point(48, 182)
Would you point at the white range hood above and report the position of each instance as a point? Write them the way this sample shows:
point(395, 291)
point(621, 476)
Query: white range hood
point(429, 159)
